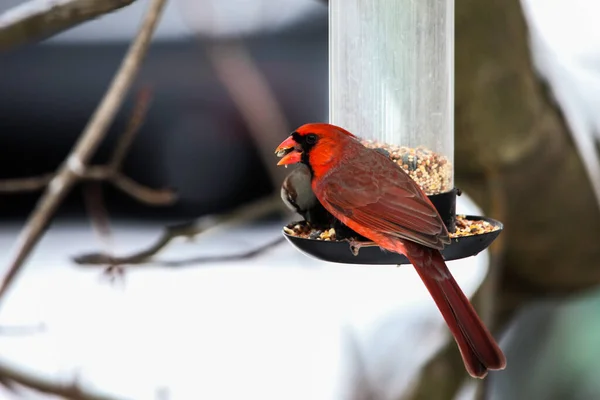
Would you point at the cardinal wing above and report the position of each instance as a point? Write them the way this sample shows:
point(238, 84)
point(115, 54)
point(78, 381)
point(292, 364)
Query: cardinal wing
point(372, 191)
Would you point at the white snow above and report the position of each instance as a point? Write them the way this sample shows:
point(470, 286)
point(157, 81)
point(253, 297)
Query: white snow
point(279, 326)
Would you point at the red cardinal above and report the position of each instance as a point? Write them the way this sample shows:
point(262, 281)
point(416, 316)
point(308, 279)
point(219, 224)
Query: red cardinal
point(367, 192)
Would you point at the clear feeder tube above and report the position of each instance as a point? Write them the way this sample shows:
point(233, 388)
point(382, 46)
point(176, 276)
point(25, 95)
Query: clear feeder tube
point(391, 81)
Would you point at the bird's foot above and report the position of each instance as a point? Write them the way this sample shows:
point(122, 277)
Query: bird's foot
point(355, 245)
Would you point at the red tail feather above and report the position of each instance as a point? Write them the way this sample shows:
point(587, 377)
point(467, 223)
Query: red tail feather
point(479, 350)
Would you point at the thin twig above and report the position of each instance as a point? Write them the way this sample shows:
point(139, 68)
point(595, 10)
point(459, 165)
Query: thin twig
point(139, 192)
point(94, 204)
point(12, 376)
point(29, 184)
point(195, 261)
point(144, 194)
point(255, 100)
point(109, 173)
point(39, 19)
point(187, 262)
point(251, 211)
point(89, 140)
point(136, 120)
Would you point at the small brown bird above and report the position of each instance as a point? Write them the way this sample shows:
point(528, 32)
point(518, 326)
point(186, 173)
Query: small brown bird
point(297, 194)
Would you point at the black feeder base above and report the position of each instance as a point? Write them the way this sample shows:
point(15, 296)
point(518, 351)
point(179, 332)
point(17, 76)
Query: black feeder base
point(460, 247)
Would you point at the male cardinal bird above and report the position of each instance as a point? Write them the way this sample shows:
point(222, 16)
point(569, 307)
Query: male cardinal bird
point(367, 192)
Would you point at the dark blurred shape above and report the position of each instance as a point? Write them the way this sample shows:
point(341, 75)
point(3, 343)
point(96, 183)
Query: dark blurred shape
point(193, 139)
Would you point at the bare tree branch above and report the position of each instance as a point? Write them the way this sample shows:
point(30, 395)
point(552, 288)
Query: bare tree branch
point(108, 173)
point(195, 261)
point(157, 197)
point(70, 171)
point(100, 219)
point(254, 210)
point(142, 193)
point(13, 377)
point(39, 19)
point(29, 184)
point(256, 102)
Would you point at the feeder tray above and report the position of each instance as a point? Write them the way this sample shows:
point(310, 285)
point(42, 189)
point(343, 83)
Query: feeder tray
point(339, 251)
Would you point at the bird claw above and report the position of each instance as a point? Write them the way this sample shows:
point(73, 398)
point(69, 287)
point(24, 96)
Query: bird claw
point(355, 245)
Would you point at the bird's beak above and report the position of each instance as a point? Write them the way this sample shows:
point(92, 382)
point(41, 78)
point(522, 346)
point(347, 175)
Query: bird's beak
point(289, 151)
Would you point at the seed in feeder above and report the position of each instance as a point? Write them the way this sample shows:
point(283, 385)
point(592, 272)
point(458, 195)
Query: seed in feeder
point(464, 227)
point(409, 160)
point(435, 170)
point(315, 234)
point(383, 151)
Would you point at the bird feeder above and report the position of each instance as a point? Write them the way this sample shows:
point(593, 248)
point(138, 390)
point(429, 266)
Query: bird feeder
point(391, 82)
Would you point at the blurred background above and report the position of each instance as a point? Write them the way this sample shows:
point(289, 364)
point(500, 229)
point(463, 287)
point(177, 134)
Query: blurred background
point(228, 80)
point(194, 125)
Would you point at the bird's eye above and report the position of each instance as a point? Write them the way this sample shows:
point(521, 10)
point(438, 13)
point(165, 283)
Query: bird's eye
point(311, 138)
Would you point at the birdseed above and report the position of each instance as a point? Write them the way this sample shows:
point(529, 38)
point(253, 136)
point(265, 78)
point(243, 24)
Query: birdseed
point(464, 227)
point(468, 227)
point(431, 170)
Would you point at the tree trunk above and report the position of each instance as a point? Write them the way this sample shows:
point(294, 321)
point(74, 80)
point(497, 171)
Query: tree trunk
point(507, 129)
point(515, 157)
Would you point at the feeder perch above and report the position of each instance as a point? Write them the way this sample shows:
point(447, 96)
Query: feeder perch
point(391, 82)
